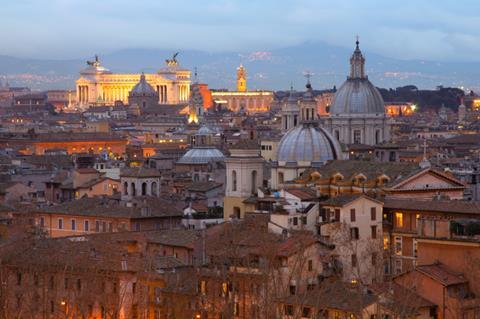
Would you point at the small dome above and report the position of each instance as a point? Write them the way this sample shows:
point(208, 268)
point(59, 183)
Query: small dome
point(357, 96)
point(143, 88)
point(308, 143)
point(202, 155)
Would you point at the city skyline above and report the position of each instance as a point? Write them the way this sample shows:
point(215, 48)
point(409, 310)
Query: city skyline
point(430, 30)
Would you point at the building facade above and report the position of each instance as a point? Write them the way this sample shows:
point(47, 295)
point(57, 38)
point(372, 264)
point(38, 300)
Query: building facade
point(97, 85)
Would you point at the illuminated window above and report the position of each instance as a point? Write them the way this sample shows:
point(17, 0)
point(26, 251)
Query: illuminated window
point(203, 287)
point(386, 242)
point(398, 219)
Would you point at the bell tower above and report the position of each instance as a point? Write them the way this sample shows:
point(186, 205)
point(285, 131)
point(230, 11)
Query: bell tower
point(244, 170)
point(241, 79)
point(308, 104)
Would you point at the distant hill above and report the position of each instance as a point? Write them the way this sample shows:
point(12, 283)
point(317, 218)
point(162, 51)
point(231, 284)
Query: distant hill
point(274, 69)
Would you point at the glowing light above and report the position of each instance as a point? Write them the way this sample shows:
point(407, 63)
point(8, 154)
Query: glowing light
point(414, 107)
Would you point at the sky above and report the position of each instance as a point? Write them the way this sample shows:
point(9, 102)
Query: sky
point(408, 29)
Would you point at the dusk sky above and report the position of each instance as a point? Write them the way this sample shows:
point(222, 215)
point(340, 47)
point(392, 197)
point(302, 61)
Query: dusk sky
point(408, 29)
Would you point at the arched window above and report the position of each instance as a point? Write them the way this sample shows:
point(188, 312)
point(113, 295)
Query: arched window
point(377, 136)
point(254, 182)
point(280, 178)
point(134, 191)
point(234, 181)
point(154, 189)
point(125, 188)
point(144, 189)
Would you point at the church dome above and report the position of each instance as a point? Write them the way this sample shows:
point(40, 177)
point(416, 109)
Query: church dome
point(308, 143)
point(143, 88)
point(357, 95)
point(201, 155)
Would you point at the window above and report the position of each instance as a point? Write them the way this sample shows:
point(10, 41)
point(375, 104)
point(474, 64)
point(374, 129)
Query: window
point(236, 212)
point(399, 220)
point(236, 309)
point(79, 284)
point(374, 259)
point(97, 226)
point(337, 135)
point(415, 248)
point(357, 137)
point(144, 189)
point(295, 221)
point(386, 242)
point(104, 226)
point(280, 178)
point(134, 192)
point(86, 226)
point(234, 181)
point(42, 221)
point(352, 215)
point(354, 233)
point(377, 136)
point(154, 189)
point(65, 283)
point(293, 289)
point(306, 312)
point(374, 232)
point(202, 285)
point(60, 223)
point(19, 278)
point(310, 265)
point(337, 215)
point(254, 182)
point(125, 188)
point(74, 224)
point(289, 310)
point(398, 245)
point(373, 213)
point(354, 260)
point(398, 266)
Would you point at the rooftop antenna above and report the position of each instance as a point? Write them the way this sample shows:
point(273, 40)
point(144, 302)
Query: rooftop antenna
point(424, 163)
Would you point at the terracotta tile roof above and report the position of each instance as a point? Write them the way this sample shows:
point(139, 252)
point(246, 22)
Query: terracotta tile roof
point(333, 295)
point(344, 199)
point(303, 193)
point(202, 186)
point(86, 171)
point(442, 274)
point(139, 172)
point(246, 144)
point(108, 207)
point(442, 206)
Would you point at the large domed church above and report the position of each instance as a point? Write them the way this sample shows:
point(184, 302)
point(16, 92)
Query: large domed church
point(305, 145)
point(357, 114)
